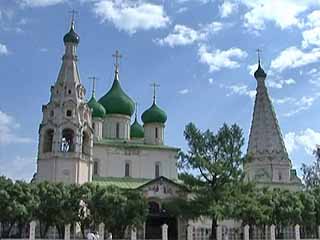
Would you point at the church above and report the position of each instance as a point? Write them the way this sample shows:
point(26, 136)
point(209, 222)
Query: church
point(102, 141)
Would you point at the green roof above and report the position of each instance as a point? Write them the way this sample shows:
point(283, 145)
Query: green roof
point(71, 36)
point(154, 115)
point(116, 101)
point(132, 144)
point(136, 130)
point(98, 110)
point(124, 182)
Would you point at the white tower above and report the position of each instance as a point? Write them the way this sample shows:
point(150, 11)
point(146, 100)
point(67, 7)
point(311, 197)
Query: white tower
point(65, 133)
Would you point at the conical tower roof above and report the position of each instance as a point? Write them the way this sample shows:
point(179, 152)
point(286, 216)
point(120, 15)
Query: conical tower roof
point(265, 134)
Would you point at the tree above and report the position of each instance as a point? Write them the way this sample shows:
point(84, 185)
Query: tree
point(311, 173)
point(215, 161)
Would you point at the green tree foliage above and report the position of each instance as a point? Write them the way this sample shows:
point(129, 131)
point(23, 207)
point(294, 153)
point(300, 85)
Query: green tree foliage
point(215, 161)
point(311, 173)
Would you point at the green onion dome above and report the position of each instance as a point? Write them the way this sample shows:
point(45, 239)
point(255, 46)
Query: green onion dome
point(116, 101)
point(71, 36)
point(154, 115)
point(136, 130)
point(98, 110)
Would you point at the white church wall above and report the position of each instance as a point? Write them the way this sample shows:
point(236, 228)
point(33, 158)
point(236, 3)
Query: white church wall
point(110, 126)
point(142, 162)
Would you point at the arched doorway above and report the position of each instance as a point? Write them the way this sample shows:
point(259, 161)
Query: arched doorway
point(156, 218)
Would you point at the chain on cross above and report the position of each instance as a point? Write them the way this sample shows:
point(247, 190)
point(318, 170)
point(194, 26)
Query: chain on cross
point(117, 56)
point(154, 86)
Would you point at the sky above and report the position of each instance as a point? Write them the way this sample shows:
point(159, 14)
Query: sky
point(202, 53)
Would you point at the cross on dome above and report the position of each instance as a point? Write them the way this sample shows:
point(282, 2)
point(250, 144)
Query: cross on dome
point(154, 85)
point(117, 56)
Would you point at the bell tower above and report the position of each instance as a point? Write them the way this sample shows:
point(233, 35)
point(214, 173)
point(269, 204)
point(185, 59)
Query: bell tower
point(65, 133)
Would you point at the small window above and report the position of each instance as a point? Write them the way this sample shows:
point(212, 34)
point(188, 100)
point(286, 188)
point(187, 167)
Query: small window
point(93, 126)
point(156, 133)
point(157, 170)
point(51, 113)
point(117, 130)
point(69, 91)
point(280, 176)
point(69, 113)
point(95, 168)
point(127, 170)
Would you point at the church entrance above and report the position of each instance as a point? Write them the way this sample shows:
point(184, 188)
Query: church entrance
point(154, 230)
point(155, 221)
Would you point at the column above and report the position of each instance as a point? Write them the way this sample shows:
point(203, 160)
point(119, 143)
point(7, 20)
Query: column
point(67, 232)
point(246, 232)
point(189, 232)
point(219, 232)
point(164, 232)
point(133, 234)
point(32, 232)
point(272, 232)
point(266, 232)
point(101, 231)
point(297, 232)
point(319, 232)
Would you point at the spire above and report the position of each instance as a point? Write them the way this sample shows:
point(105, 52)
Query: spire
point(154, 86)
point(72, 37)
point(265, 134)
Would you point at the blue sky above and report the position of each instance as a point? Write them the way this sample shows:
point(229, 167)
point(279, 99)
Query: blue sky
point(201, 52)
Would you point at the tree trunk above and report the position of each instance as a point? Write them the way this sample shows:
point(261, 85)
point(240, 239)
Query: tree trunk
point(213, 229)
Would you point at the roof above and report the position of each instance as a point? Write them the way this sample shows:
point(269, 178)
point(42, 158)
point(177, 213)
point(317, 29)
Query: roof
point(154, 114)
point(98, 110)
point(132, 144)
point(134, 183)
point(136, 130)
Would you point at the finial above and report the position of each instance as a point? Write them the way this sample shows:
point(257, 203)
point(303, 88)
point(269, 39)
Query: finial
point(93, 78)
point(258, 53)
point(154, 86)
point(117, 56)
point(73, 13)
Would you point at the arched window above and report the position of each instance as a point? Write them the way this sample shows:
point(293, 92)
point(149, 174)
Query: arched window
point(67, 142)
point(69, 113)
point(157, 170)
point(117, 130)
point(154, 208)
point(48, 141)
point(127, 170)
point(86, 143)
point(156, 132)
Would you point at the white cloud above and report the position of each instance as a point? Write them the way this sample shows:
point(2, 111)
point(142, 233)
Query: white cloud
point(240, 89)
point(3, 49)
point(184, 91)
point(311, 36)
point(284, 13)
point(279, 83)
point(183, 35)
point(252, 68)
point(19, 168)
point(307, 139)
point(8, 126)
point(40, 3)
point(293, 57)
point(284, 100)
point(218, 59)
point(210, 80)
point(227, 8)
point(302, 104)
point(131, 16)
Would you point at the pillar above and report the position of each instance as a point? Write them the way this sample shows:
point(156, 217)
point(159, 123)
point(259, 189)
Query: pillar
point(32, 232)
point(189, 232)
point(297, 232)
point(164, 232)
point(246, 232)
point(67, 232)
point(219, 232)
point(101, 231)
point(272, 232)
point(133, 234)
point(266, 232)
point(319, 232)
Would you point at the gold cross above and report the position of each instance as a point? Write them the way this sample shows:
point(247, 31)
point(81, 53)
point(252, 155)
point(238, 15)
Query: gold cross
point(154, 86)
point(93, 78)
point(117, 57)
point(73, 13)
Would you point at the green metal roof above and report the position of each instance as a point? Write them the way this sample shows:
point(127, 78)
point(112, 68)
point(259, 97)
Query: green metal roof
point(116, 101)
point(71, 36)
point(154, 115)
point(132, 144)
point(136, 130)
point(98, 110)
point(124, 182)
